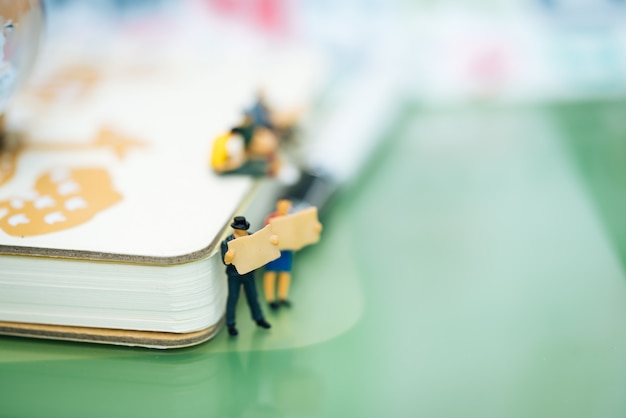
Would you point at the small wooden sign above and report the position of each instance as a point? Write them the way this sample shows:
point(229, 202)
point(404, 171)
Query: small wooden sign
point(254, 251)
point(298, 230)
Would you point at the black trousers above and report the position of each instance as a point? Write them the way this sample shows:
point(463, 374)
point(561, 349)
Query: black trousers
point(235, 282)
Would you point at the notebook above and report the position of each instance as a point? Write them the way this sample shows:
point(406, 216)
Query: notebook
point(110, 217)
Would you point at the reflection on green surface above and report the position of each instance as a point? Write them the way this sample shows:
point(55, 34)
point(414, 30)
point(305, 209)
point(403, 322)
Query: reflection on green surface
point(226, 384)
point(485, 285)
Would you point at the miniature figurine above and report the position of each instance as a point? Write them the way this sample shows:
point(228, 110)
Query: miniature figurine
point(282, 124)
point(235, 280)
point(259, 113)
point(253, 147)
point(246, 149)
point(294, 232)
point(280, 267)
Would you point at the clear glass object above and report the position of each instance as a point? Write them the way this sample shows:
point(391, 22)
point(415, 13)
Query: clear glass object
point(21, 28)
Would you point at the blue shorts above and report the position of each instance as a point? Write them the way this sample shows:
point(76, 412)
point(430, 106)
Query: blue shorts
point(282, 263)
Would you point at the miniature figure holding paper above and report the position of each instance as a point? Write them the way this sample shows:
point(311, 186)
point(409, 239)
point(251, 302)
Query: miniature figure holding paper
point(243, 254)
point(294, 232)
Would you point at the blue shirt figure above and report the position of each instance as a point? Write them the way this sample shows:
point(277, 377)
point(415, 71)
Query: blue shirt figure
point(235, 281)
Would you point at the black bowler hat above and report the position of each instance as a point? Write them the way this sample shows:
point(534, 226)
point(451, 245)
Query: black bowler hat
point(240, 223)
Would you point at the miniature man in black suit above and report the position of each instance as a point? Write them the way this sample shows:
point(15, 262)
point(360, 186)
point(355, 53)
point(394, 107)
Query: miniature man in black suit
point(235, 281)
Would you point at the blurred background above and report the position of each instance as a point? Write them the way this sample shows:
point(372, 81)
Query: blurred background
point(473, 262)
point(443, 50)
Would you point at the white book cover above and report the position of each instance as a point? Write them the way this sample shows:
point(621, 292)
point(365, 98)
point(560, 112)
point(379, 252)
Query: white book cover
point(113, 162)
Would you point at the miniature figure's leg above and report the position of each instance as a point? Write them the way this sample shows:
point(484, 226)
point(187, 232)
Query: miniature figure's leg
point(284, 277)
point(249, 287)
point(284, 282)
point(234, 287)
point(269, 286)
point(269, 282)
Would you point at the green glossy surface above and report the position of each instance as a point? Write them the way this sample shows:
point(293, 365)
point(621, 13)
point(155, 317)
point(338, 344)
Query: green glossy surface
point(467, 275)
point(596, 138)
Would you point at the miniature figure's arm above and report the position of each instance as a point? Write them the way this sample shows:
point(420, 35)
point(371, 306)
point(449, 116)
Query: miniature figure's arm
point(229, 256)
point(318, 227)
point(274, 240)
